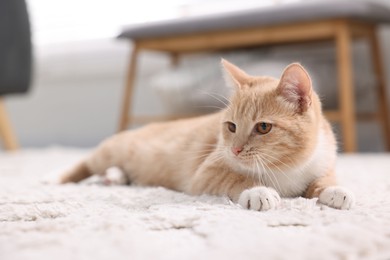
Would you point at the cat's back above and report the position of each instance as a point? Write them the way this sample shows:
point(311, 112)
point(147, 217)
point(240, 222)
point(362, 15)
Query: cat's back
point(175, 130)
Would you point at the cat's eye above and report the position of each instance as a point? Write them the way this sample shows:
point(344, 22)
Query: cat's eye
point(263, 128)
point(231, 126)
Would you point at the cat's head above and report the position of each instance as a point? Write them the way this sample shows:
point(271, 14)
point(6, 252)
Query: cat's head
point(270, 124)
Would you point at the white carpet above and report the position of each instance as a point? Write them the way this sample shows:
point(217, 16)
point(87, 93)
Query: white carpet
point(96, 222)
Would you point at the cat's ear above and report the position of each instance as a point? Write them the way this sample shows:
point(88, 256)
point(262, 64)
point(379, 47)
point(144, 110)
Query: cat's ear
point(234, 76)
point(295, 87)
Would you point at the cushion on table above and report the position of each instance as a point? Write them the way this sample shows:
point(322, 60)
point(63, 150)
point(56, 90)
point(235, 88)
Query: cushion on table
point(262, 16)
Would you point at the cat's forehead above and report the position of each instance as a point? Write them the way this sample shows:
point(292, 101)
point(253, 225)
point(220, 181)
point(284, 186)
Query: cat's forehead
point(251, 106)
point(255, 100)
point(263, 84)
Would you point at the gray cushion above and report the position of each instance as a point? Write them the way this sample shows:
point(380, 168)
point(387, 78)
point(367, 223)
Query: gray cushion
point(15, 47)
point(283, 14)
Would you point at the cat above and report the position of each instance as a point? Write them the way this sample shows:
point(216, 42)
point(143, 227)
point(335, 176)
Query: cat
point(271, 141)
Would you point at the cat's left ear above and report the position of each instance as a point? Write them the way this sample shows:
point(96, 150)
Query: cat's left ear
point(234, 76)
point(295, 87)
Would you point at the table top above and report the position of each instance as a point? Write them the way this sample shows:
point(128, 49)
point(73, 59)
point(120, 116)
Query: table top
point(264, 16)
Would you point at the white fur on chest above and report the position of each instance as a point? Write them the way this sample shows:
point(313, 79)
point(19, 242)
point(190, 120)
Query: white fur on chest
point(294, 182)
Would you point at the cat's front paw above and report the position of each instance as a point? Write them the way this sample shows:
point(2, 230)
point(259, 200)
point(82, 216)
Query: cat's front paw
point(259, 198)
point(337, 197)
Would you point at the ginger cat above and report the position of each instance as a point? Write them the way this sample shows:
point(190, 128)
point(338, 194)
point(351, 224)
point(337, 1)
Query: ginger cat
point(271, 141)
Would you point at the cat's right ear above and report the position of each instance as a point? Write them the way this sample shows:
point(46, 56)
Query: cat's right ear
point(295, 87)
point(234, 76)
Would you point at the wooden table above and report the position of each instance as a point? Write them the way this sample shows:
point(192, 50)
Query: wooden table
point(340, 24)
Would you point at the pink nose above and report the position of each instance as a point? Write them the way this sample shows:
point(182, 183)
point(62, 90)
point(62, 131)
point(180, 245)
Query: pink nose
point(236, 150)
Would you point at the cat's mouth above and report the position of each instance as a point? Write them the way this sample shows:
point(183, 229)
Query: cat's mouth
point(249, 160)
point(243, 160)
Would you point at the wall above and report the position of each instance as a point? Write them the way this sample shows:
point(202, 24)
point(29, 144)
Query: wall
point(76, 94)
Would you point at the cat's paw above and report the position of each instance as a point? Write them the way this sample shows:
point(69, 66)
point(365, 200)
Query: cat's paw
point(115, 176)
point(259, 198)
point(337, 197)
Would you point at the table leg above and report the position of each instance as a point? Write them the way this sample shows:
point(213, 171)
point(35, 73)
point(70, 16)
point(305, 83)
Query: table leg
point(346, 92)
point(383, 107)
point(175, 59)
point(126, 111)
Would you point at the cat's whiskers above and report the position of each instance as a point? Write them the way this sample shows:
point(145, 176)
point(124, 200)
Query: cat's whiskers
point(295, 168)
point(206, 148)
point(205, 152)
point(212, 144)
point(194, 155)
point(220, 108)
point(211, 160)
point(220, 95)
point(201, 153)
point(227, 104)
point(216, 94)
point(194, 158)
point(259, 171)
point(253, 172)
point(292, 166)
point(271, 174)
point(211, 149)
point(269, 164)
point(291, 181)
point(216, 158)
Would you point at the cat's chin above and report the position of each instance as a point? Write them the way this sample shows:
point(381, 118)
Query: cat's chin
point(240, 164)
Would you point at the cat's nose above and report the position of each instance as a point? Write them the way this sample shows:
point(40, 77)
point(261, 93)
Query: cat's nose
point(237, 150)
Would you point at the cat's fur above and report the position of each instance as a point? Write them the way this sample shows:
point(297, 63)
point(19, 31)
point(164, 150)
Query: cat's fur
point(200, 156)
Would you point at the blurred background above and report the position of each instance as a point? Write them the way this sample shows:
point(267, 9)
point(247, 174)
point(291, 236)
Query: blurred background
point(79, 69)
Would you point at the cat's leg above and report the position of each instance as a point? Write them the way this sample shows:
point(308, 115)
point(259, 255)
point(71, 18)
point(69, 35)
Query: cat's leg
point(102, 158)
point(328, 193)
point(77, 173)
point(217, 179)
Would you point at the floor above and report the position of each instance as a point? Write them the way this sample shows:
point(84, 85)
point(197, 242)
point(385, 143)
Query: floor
point(84, 221)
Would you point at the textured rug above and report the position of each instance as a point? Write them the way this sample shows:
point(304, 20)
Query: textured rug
point(125, 222)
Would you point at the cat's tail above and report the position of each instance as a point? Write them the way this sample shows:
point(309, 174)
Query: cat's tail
point(78, 173)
